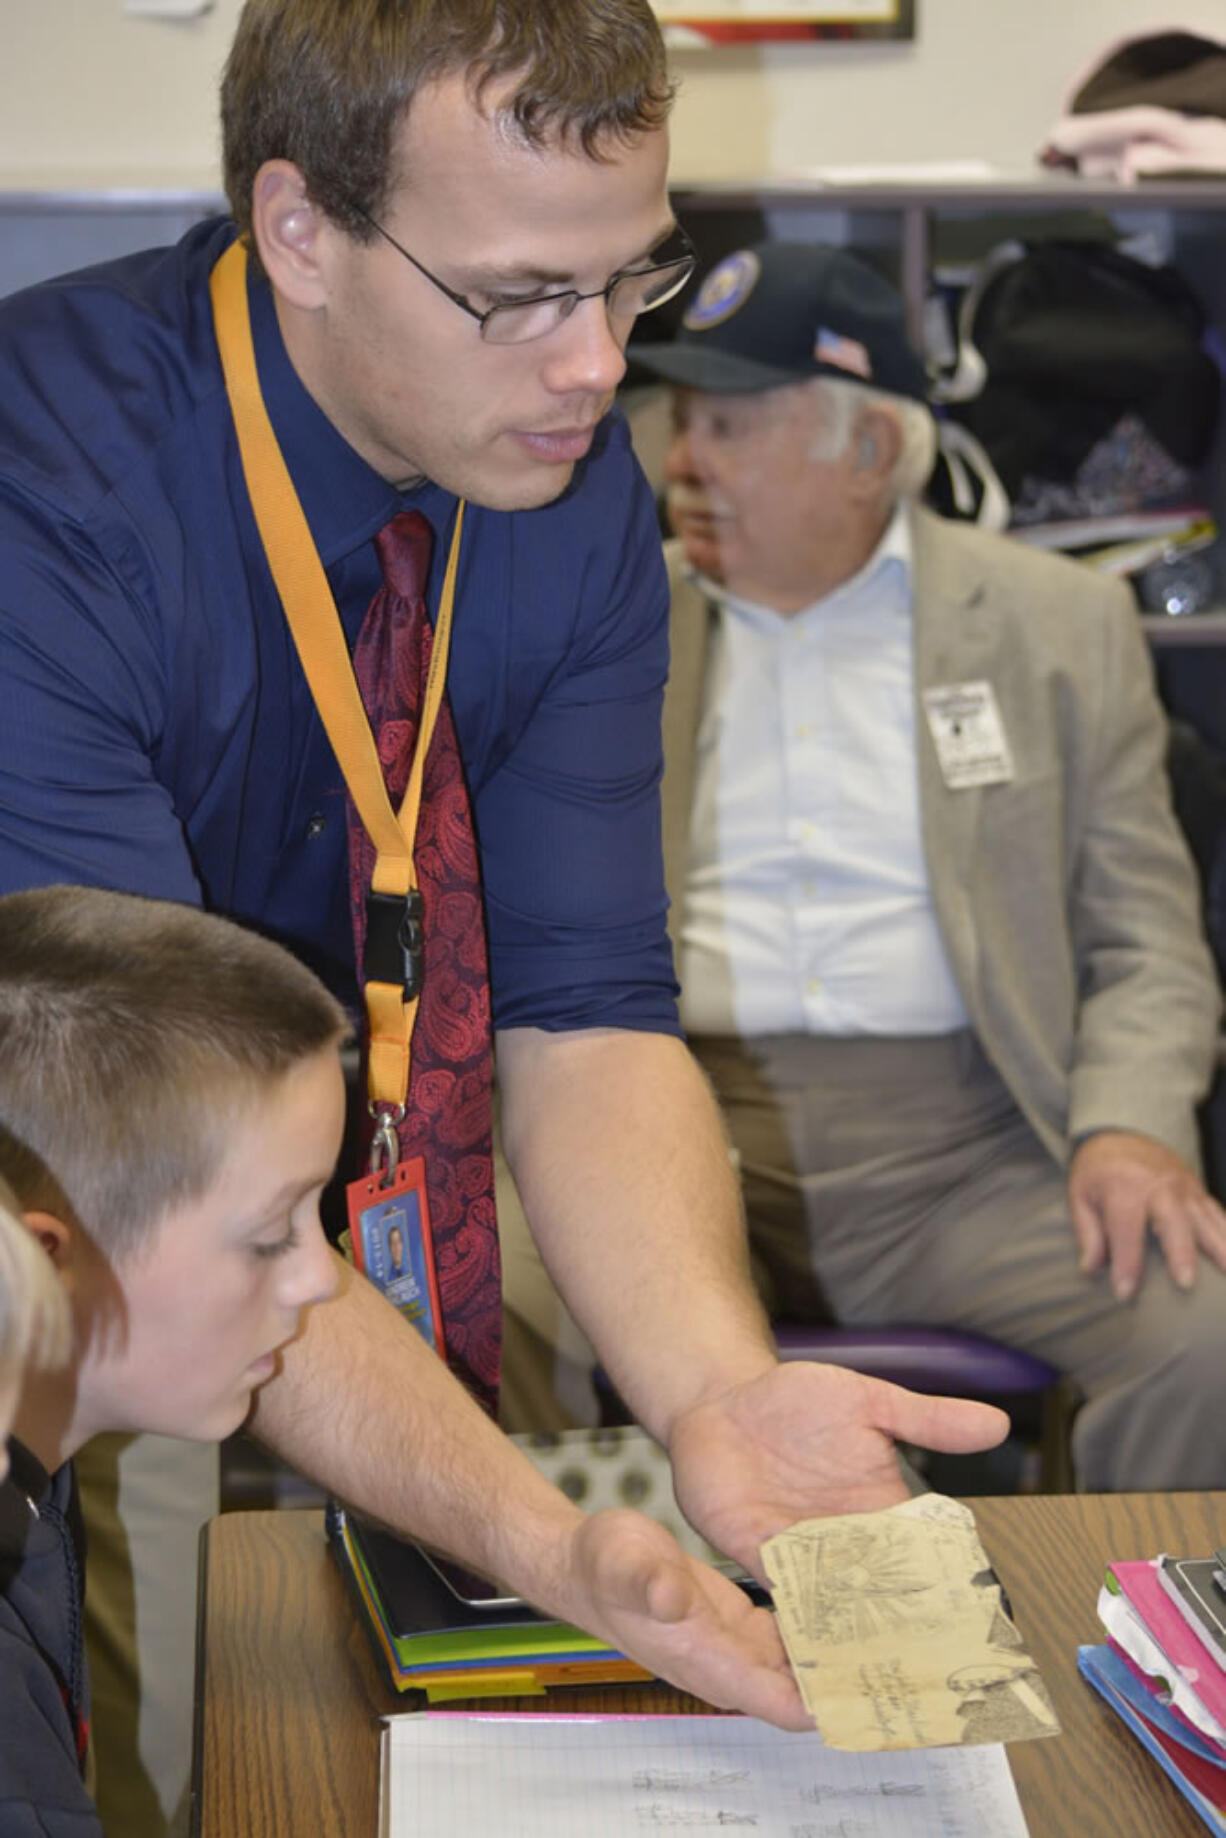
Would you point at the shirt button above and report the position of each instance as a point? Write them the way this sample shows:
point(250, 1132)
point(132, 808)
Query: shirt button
point(814, 985)
point(803, 731)
point(316, 826)
point(808, 888)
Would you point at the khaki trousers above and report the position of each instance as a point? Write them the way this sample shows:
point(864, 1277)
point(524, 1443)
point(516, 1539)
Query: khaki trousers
point(144, 1499)
point(895, 1181)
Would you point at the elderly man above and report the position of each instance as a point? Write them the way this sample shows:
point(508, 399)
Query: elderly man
point(937, 932)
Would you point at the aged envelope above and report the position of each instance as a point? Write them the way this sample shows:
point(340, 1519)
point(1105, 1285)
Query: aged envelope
point(895, 1628)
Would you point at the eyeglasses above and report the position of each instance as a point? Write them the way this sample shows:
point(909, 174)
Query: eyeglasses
point(626, 294)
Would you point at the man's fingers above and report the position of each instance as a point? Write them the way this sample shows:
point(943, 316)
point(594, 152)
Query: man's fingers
point(688, 1623)
point(670, 1594)
point(1175, 1229)
point(955, 1425)
point(1089, 1234)
point(774, 1698)
point(1125, 1218)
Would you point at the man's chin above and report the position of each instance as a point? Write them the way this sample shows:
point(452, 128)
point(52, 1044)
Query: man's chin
point(704, 556)
point(531, 489)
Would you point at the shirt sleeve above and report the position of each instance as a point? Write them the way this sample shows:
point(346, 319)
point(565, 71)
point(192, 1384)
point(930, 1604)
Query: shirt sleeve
point(81, 694)
point(570, 823)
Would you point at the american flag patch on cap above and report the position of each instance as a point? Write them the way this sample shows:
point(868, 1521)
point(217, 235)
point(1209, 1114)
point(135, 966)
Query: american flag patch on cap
point(842, 353)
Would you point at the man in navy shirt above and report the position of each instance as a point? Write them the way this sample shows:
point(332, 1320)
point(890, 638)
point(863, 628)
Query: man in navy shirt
point(407, 176)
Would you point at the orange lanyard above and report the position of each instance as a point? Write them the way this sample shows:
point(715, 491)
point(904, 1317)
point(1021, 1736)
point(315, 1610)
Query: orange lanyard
point(395, 907)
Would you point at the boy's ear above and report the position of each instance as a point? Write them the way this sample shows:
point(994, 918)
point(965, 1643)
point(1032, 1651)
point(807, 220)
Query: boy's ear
point(53, 1235)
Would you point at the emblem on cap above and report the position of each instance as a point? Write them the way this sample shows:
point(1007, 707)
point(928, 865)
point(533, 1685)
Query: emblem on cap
point(724, 291)
point(842, 353)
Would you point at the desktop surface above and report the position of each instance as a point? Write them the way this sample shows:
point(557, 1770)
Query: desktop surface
point(289, 1695)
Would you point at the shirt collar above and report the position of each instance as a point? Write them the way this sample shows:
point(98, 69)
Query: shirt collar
point(893, 553)
point(26, 1489)
point(344, 499)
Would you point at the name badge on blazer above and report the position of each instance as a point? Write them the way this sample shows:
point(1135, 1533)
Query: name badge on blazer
point(968, 734)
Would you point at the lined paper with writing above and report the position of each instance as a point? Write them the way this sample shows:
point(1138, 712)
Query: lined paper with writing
point(491, 1776)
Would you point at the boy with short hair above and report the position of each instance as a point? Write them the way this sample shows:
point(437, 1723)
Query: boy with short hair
point(171, 1104)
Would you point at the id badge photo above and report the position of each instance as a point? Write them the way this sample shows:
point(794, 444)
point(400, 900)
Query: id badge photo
point(389, 1231)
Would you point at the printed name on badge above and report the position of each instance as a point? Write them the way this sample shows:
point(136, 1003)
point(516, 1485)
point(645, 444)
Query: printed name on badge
point(968, 734)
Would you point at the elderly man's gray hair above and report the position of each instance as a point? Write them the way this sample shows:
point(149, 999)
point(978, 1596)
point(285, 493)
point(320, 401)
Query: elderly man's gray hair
point(844, 403)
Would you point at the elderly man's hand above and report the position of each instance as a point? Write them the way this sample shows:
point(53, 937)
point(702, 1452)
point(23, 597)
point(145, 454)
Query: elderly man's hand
point(1121, 1187)
point(801, 1441)
point(680, 1618)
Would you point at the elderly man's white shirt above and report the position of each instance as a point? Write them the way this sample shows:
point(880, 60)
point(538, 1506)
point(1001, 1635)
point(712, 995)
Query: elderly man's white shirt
point(807, 905)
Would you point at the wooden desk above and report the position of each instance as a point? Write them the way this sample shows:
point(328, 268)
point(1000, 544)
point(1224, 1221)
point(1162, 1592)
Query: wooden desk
point(288, 1692)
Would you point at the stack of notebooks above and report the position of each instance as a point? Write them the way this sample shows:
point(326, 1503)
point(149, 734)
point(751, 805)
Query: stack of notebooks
point(438, 1629)
point(431, 1636)
point(1163, 1669)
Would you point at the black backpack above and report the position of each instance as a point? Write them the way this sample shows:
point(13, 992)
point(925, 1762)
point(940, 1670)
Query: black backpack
point(1074, 336)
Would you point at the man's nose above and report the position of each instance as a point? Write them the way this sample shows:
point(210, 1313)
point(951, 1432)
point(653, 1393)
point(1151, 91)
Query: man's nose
point(680, 463)
point(587, 353)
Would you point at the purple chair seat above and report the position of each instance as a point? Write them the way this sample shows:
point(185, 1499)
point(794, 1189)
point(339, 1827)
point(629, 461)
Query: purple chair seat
point(940, 1360)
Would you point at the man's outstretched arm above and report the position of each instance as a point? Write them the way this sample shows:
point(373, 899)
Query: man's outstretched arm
point(362, 1406)
point(620, 1156)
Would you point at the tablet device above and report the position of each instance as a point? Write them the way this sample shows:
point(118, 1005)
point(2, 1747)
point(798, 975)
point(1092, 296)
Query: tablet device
point(1200, 1597)
point(476, 1591)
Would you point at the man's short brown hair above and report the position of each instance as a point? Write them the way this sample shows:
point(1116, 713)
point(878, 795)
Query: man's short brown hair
point(134, 1036)
point(327, 83)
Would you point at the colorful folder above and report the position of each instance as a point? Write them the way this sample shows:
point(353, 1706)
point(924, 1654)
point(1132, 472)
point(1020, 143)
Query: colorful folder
point(426, 1639)
point(1164, 1680)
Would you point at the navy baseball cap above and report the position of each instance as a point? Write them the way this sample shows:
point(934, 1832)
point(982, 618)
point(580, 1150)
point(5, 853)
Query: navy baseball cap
point(780, 312)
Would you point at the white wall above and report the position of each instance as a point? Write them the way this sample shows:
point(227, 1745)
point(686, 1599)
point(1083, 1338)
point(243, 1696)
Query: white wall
point(983, 79)
point(92, 96)
point(95, 96)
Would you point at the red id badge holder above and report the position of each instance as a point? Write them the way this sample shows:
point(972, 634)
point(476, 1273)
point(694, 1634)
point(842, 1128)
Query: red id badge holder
point(389, 1232)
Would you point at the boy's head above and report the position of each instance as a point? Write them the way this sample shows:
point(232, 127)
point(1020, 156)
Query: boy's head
point(170, 1108)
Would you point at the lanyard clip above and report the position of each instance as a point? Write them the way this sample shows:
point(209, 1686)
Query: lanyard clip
point(385, 1144)
point(395, 941)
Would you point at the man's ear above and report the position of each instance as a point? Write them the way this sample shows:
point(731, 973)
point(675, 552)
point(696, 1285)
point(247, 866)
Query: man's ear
point(876, 443)
point(290, 233)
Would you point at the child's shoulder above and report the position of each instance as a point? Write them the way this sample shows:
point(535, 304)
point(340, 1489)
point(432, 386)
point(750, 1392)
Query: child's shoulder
point(44, 1700)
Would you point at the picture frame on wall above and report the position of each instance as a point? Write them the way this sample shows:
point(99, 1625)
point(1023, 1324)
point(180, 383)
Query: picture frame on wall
point(723, 22)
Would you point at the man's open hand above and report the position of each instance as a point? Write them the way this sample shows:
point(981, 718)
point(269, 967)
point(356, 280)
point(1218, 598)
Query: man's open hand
point(802, 1441)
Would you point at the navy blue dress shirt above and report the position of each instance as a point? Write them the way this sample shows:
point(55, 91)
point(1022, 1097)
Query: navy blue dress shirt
point(156, 730)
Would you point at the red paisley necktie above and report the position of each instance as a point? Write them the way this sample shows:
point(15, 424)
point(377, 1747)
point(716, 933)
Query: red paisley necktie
point(447, 1113)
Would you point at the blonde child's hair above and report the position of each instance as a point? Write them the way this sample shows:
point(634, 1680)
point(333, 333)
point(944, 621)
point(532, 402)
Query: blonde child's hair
point(34, 1320)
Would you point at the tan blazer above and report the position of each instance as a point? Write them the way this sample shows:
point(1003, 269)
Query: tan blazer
point(1067, 899)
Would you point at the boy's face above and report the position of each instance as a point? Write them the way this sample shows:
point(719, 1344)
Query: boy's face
point(197, 1314)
